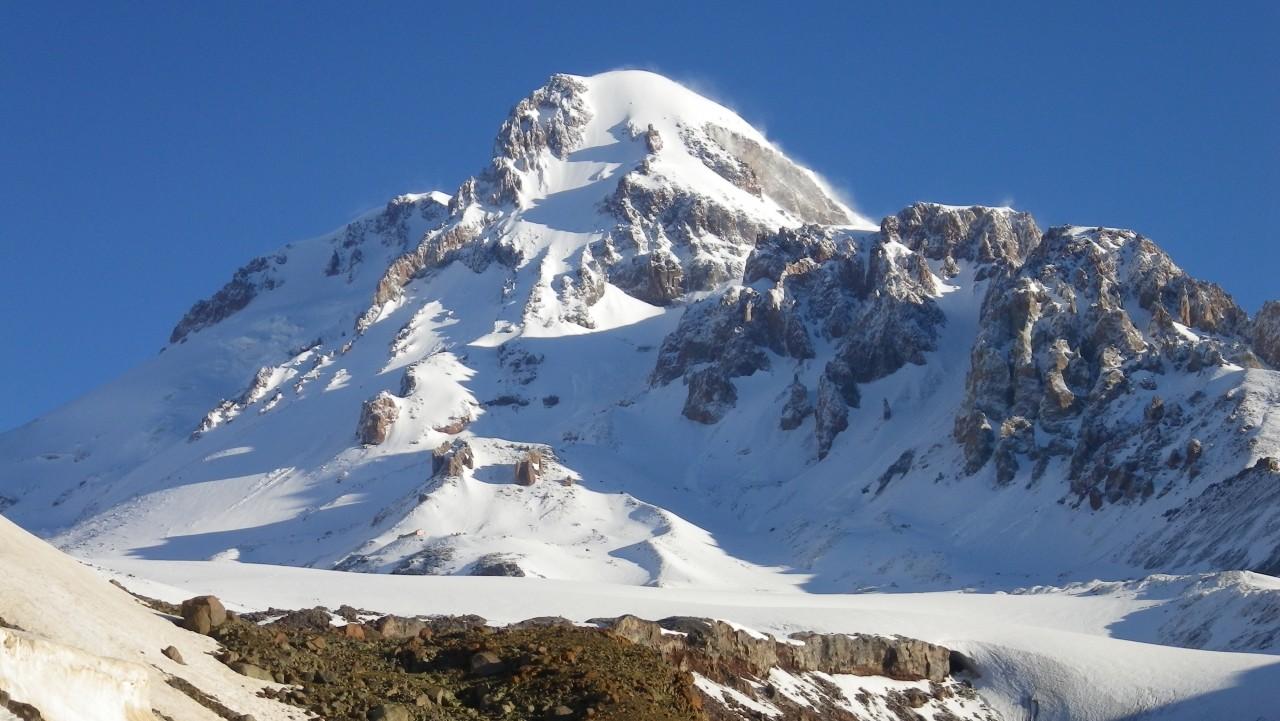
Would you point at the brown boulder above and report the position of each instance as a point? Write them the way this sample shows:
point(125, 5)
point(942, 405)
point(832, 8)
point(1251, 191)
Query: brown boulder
point(486, 663)
point(202, 614)
point(398, 626)
point(529, 469)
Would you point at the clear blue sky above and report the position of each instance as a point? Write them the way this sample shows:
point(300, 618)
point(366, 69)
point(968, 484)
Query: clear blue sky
point(147, 151)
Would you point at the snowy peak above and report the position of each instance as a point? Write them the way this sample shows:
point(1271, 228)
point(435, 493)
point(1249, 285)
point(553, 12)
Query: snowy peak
point(630, 119)
point(643, 345)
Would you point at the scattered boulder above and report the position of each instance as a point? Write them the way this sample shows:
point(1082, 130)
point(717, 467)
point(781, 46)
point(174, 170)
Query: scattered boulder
point(353, 630)
point(173, 654)
point(316, 619)
point(202, 614)
point(244, 668)
point(390, 626)
point(389, 712)
point(529, 468)
point(486, 663)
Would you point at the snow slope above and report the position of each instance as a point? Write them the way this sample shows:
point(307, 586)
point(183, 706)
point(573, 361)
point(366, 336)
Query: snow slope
point(88, 651)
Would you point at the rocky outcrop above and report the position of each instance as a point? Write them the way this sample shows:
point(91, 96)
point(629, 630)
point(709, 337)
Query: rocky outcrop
point(709, 239)
point(437, 248)
point(719, 651)
point(762, 171)
point(873, 304)
point(498, 564)
point(1266, 333)
point(551, 119)
point(1059, 353)
point(452, 458)
point(998, 236)
point(528, 470)
point(377, 415)
point(830, 414)
point(257, 276)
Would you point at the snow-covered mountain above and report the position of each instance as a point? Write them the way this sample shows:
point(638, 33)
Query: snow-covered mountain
point(643, 346)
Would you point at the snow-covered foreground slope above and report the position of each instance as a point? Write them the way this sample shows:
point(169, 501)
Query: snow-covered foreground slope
point(1077, 654)
point(79, 649)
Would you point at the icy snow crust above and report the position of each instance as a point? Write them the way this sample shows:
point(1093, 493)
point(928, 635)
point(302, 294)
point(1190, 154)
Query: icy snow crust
point(238, 442)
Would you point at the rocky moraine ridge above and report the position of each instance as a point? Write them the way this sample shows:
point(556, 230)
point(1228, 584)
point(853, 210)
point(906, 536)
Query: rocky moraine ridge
point(358, 665)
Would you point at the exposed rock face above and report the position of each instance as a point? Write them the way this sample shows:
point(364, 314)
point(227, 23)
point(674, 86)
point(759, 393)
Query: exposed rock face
point(708, 239)
point(831, 414)
point(203, 614)
point(454, 458)
point(377, 415)
point(874, 305)
point(711, 395)
point(1058, 348)
point(258, 275)
point(551, 119)
point(437, 248)
point(1266, 333)
point(982, 235)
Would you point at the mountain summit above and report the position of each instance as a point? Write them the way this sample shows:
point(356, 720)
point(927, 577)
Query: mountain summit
point(641, 345)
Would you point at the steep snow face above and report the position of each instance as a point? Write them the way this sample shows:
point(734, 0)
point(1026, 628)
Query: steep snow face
point(642, 345)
